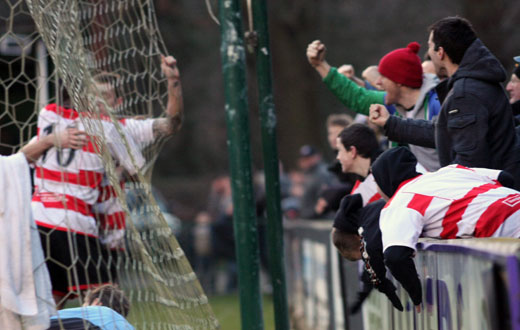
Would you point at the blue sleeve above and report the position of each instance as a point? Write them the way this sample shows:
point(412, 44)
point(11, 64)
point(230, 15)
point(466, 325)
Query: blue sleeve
point(390, 107)
point(369, 86)
point(434, 105)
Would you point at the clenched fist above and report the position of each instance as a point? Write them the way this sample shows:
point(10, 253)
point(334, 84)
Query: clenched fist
point(378, 114)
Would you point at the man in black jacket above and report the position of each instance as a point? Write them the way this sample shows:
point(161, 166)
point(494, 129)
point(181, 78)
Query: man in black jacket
point(475, 127)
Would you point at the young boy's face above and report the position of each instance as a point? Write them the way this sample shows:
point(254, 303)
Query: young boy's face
point(345, 157)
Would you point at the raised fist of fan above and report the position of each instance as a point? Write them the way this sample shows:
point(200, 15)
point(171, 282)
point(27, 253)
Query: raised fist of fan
point(378, 114)
point(316, 53)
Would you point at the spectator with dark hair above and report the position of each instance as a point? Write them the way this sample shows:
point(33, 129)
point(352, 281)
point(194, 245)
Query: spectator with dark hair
point(361, 148)
point(454, 202)
point(105, 307)
point(404, 84)
point(475, 126)
point(513, 87)
point(358, 148)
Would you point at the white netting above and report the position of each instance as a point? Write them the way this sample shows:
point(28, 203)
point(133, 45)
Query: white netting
point(106, 55)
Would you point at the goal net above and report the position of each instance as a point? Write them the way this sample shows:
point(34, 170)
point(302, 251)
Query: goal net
point(96, 65)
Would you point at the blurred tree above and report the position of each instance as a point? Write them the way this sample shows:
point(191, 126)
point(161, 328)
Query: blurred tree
point(356, 32)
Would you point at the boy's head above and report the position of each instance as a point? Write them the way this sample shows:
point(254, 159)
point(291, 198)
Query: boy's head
point(350, 217)
point(345, 229)
point(357, 147)
point(109, 296)
point(348, 244)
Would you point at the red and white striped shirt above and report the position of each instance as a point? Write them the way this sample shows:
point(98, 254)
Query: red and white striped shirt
point(367, 189)
point(453, 202)
point(67, 181)
point(108, 209)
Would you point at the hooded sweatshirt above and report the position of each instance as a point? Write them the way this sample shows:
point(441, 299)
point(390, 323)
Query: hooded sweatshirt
point(475, 127)
point(394, 167)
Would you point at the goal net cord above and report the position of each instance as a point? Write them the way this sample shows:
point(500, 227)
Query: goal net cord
point(119, 38)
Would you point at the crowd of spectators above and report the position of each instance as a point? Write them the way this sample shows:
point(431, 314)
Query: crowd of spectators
point(455, 171)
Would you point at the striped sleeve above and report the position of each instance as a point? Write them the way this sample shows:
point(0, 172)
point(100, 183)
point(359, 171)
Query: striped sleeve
point(119, 151)
point(402, 226)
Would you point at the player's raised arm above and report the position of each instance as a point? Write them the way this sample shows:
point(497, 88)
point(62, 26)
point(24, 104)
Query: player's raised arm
point(175, 107)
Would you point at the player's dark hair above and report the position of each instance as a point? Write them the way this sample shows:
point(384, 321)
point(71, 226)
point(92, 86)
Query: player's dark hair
point(346, 242)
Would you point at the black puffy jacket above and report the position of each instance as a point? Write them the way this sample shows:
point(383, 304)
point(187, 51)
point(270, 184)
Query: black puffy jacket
point(475, 127)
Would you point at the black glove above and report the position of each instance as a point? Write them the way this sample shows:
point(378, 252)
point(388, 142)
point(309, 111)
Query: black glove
point(506, 180)
point(388, 288)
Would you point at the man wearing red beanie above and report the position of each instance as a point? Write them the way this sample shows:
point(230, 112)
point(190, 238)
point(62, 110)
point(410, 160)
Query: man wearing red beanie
point(404, 84)
point(392, 64)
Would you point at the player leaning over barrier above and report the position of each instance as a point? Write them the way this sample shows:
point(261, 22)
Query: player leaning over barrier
point(356, 235)
point(454, 202)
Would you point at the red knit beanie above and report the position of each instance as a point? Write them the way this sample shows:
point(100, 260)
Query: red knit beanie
point(403, 66)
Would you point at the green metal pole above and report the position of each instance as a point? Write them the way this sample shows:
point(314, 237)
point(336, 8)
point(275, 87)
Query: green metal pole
point(237, 119)
point(271, 166)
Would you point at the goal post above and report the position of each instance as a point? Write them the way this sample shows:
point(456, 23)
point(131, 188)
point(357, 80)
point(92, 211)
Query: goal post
point(52, 49)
